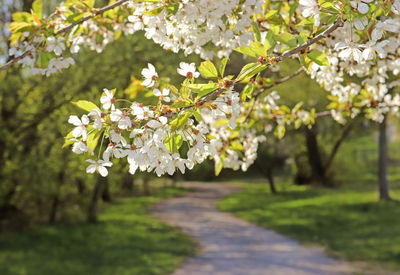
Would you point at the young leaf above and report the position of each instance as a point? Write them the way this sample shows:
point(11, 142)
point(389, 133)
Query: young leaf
point(249, 70)
point(68, 140)
point(222, 66)
point(208, 70)
point(280, 131)
point(219, 165)
point(258, 48)
point(287, 39)
point(86, 105)
point(246, 50)
point(93, 139)
point(37, 7)
point(269, 42)
point(319, 58)
point(256, 31)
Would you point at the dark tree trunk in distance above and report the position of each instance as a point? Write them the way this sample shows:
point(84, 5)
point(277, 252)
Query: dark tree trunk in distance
point(146, 189)
point(106, 195)
point(383, 162)
point(56, 199)
point(318, 172)
point(98, 188)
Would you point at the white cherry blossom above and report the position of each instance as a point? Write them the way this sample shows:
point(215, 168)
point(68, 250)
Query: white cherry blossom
point(150, 76)
point(188, 70)
point(99, 166)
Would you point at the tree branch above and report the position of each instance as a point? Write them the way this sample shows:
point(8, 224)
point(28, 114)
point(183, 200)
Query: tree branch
point(338, 23)
point(65, 29)
point(276, 83)
point(346, 131)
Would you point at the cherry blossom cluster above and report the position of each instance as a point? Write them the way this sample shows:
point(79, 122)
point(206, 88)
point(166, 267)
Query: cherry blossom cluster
point(195, 26)
point(374, 63)
point(350, 47)
point(149, 139)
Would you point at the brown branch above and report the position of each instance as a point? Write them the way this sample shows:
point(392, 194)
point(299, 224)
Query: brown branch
point(338, 23)
point(279, 81)
point(65, 29)
point(346, 131)
point(276, 83)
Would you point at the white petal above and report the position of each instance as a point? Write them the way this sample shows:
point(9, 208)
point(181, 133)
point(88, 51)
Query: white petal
point(102, 171)
point(363, 8)
point(74, 120)
point(157, 92)
point(85, 119)
point(91, 169)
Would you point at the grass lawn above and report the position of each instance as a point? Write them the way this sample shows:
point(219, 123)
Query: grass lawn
point(125, 241)
point(347, 221)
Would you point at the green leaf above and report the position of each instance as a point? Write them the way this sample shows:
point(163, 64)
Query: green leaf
point(22, 17)
point(246, 50)
point(86, 105)
point(269, 42)
point(270, 14)
point(319, 58)
point(258, 48)
point(222, 66)
point(173, 142)
point(197, 115)
point(256, 31)
point(208, 88)
point(20, 26)
point(249, 70)
point(37, 7)
point(237, 146)
point(287, 39)
point(247, 91)
point(219, 166)
point(154, 12)
point(180, 104)
point(208, 70)
point(280, 131)
point(221, 122)
point(68, 140)
point(93, 139)
point(180, 121)
point(43, 59)
point(203, 89)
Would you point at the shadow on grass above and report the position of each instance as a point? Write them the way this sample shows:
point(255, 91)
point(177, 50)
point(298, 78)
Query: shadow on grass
point(125, 241)
point(346, 221)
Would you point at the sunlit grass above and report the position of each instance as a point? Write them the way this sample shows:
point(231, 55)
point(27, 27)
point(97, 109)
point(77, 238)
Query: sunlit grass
point(125, 241)
point(348, 221)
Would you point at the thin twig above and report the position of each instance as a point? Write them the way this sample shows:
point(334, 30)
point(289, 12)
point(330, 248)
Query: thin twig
point(338, 23)
point(276, 83)
point(65, 29)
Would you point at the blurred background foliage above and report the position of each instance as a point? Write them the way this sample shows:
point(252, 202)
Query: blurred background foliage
point(42, 183)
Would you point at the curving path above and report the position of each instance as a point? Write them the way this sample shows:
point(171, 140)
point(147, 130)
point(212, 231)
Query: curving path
point(230, 246)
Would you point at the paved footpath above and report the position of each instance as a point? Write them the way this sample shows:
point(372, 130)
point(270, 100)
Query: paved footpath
point(231, 246)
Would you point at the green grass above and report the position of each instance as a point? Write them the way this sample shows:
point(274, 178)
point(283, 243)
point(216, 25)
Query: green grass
point(125, 241)
point(347, 221)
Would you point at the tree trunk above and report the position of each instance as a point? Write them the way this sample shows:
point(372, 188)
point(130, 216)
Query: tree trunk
point(146, 189)
point(105, 194)
point(80, 185)
point(271, 181)
point(268, 173)
point(56, 199)
point(318, 172)
point(98, 188)
point(128, 184)
point(383, 162)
